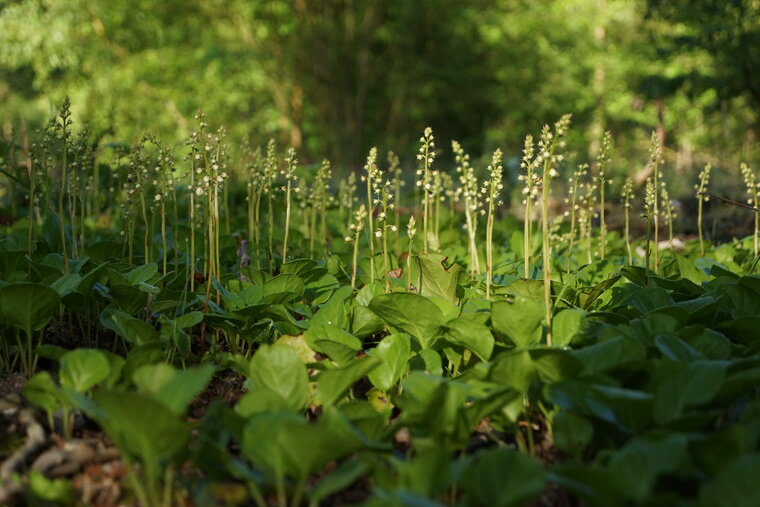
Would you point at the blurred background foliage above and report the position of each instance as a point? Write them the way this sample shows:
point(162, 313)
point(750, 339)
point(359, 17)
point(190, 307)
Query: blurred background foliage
point(334, 77)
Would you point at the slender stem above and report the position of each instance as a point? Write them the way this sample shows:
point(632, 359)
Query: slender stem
point(168, 483)
point(546, 250)
point(527, 232)
point(60, 203)
point(217, 242)
point(287, 222)
point(602, 223)
point(32, 181)
point(175, 229)
point(699, 226)
point(147, 227)
point(489, 248)
point(311, 224)
point(437, 226)
point(409, 266)
point(131, 238)
point(163, 228)
point(397, 212)
point(355, 257)
point(271, 232)
point(628, 235)
point(371, 229)
point(323, 226)
point(257, 229)
point(656, 220)
point(191, 225)
point(648, 249)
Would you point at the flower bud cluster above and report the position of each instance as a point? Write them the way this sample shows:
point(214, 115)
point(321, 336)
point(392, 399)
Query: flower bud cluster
point(530, 178)
point(491, 190)
point(208, 154)
point(426, 156)
point(627, 193)
point(291, 164)
point(347, 191)
point(650, 196)
point(468, 181)
point(704, 183)
point(319, 197)
point(753, 186)
point(357, 226)
point(411, 227)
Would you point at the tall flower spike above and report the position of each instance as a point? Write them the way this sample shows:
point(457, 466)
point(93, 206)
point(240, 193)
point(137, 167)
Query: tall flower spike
point(492, 190)
point(373, 178)
point(703, 189)
point(426, 156)
point(655, 161)
point(549, 147)
point(627, 197)
point(753, 191)
point(602, 160)
point(468, 188)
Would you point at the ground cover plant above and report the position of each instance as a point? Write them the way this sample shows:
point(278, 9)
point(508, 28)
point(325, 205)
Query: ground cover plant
point(222, 325)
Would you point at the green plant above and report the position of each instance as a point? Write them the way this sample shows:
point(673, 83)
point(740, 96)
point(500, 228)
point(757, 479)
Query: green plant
point(270, 175)
point(80, 371)
point(374, 179)
point(289, 172)
point(549, 160)
point(347, 198)
point(426, 156)
point(468, 188)
point(653, 214)
point(602, 160)
point(626, 198)
point(491, 191)
point(256, 180)
point(356, 227)
point(753, 190)
point(397, 182)
point(403, 396)
point(156, 440)
point(576, 185)
point(320, 198)
point(384, 195)
point(163, 170)
point(28, 307)
point(702, 189)
point(650, 204)
point(668, 211)
point(61, 125)
point(411, 230)
point(530, 193)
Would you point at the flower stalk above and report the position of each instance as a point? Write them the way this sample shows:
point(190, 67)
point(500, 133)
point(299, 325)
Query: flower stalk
point(703, 188)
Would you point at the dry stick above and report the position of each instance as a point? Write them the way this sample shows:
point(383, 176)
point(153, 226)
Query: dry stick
point(35, 440)
point(730, 202)
point(734, 203)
